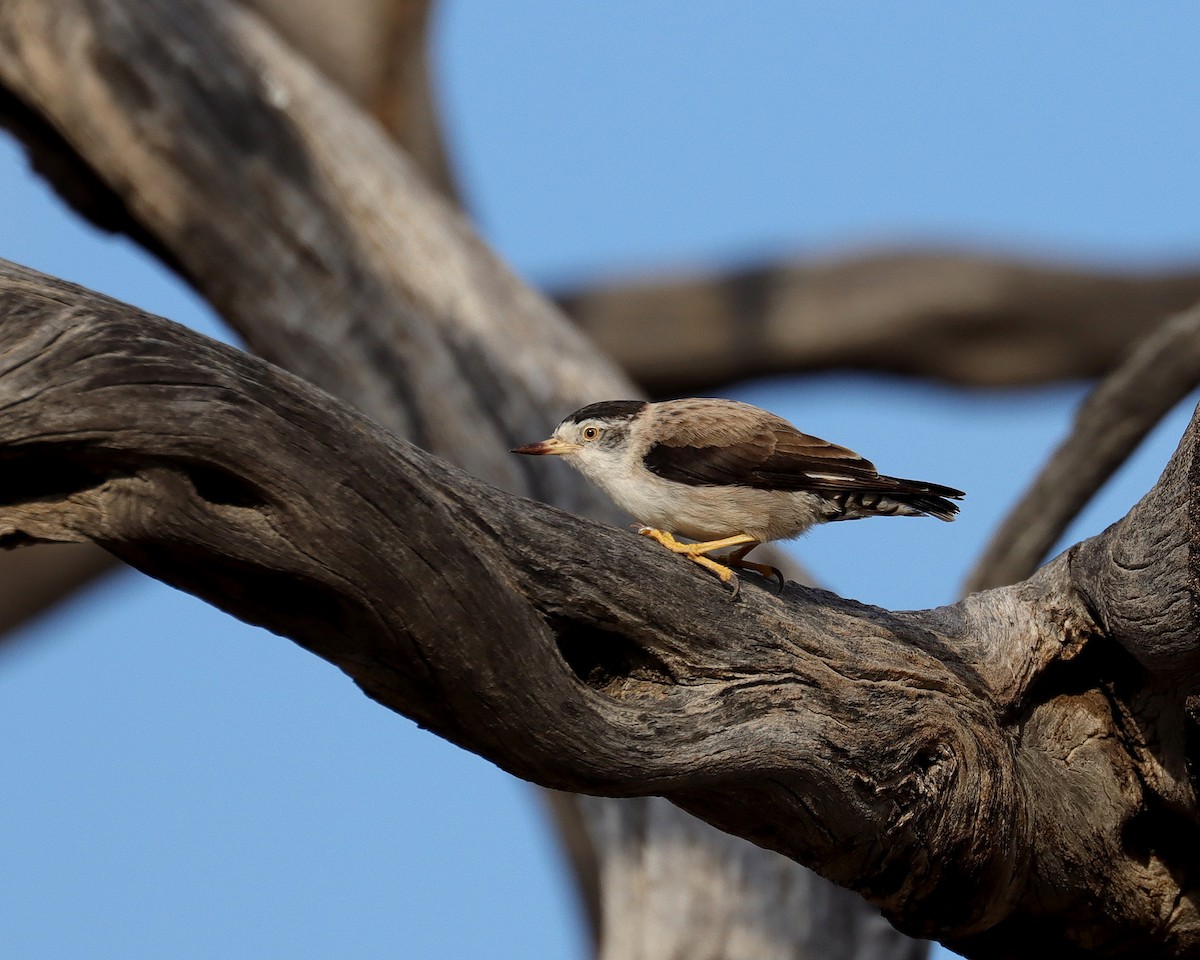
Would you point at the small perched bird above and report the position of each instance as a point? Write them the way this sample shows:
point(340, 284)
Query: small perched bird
point(728, 475)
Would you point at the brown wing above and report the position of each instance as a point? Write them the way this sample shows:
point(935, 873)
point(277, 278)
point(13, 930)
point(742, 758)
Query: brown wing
point(797, 462)
point(720, 442)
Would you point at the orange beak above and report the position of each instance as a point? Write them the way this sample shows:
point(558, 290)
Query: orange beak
point(552, 447)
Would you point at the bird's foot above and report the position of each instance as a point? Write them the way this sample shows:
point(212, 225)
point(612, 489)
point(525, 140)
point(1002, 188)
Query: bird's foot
point(764, 570)
point(697, 553)
point(690, 550)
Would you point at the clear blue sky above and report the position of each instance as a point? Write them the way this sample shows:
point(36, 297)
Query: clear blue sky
point(181, 785)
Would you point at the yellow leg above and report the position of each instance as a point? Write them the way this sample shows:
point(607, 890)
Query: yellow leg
point(696, 551)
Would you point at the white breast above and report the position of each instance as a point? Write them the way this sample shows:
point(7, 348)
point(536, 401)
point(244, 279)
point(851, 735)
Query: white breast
point(704, 512)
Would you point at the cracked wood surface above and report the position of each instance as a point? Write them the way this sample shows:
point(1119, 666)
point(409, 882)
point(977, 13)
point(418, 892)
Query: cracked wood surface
point(1005, 772)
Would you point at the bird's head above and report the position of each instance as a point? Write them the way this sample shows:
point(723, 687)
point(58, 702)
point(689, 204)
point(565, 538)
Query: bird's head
point(592, 438)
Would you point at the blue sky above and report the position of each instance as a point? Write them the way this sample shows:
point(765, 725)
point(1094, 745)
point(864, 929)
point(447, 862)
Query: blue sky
point(183, 785)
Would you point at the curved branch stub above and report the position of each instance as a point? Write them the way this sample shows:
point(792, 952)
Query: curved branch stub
point(1139, 575)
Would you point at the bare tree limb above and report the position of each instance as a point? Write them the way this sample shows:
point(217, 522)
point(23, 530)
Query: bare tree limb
point(1010, 709)
point(1115, 418)
point(889, 751)
point(577, 845)
point(971, 319)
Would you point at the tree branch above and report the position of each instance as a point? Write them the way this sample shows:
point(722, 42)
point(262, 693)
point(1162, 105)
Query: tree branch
point(886, 750)
point(971, 319)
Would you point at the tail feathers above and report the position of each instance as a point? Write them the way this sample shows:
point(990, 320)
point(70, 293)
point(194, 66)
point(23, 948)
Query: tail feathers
point(908, 498)
point(929, 506)
point(930, 499)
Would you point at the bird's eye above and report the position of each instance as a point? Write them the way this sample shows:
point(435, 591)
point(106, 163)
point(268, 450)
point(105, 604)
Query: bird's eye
point(591, 433)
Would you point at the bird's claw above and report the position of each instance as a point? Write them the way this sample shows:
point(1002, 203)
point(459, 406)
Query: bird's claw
point(765, 570)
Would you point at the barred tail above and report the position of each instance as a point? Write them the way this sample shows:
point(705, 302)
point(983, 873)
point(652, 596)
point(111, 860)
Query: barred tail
point(927, 499)
point(929, 506)
point(900, 498)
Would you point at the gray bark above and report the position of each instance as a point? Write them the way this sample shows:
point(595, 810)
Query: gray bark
point(1006, 773)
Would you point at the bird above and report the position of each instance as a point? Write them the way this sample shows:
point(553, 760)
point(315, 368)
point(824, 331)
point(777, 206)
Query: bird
point(728, 476)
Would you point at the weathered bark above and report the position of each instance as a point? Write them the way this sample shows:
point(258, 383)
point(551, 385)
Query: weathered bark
point(1006, 772)
point(332, 258)
point(1162, 370)
point(376, 51)
point(981, 320)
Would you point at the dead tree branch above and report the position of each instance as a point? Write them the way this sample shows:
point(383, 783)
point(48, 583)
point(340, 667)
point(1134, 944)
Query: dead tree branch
point(37, 579)
point(970, 319)
point(981, 771)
